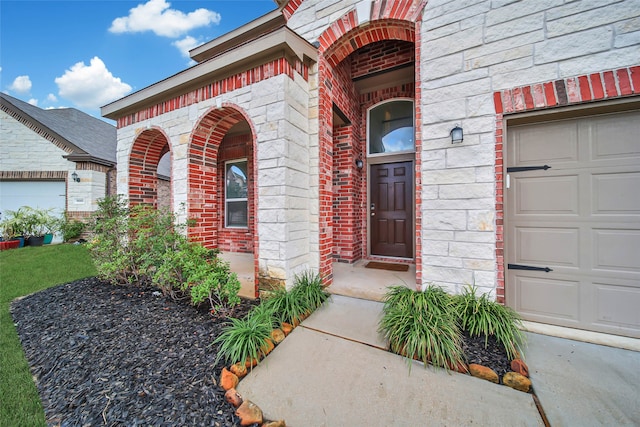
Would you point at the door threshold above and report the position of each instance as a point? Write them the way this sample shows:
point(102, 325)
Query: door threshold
point(599, 338)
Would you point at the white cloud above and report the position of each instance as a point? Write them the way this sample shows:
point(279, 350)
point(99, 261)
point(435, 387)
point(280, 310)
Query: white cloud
point(33, 101)
point(185, 45)
point(52, 98)
point(156, 16)
point(22, 84)
point(91, 86)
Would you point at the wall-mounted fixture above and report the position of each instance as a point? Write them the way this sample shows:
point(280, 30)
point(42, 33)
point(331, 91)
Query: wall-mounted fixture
point(75, 177)
point(456, 135)
point(359, 163)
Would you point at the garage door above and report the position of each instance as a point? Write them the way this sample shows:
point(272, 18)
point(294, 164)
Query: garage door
point(40, 194)
point(572, 222)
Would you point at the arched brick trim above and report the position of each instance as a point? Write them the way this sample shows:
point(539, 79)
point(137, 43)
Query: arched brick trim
point(149, 146)
point(396, 21)
point(598, 86)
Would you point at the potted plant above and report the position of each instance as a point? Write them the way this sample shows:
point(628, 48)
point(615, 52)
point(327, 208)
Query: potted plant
point(17, 222)
point(7, 233)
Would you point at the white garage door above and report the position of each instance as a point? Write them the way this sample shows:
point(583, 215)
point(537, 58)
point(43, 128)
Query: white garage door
point(572, 222)
point(40, 194)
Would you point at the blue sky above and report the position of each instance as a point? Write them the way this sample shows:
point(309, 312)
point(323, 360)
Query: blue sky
point(87, 53)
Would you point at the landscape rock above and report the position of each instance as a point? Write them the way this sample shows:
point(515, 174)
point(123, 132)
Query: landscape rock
point(483, 372)
point(518, 365)
point(228, 379)
point(249, 413)
point(286, 328)
point(517, 381)
point(277, 336)
point(233, 397)
point(267, 347)
point(239, 369)
point(459, 367)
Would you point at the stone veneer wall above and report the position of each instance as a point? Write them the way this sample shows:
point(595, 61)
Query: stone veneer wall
point(469, 51)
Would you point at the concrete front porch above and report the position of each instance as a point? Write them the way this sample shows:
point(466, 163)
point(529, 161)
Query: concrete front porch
point(351, 280)
point(357, 281)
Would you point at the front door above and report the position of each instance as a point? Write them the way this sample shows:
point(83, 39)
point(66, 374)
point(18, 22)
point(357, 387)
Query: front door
point(391, 209)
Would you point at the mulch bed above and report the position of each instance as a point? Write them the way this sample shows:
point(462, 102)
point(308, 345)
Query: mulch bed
point(122, 355)
point(110, 355)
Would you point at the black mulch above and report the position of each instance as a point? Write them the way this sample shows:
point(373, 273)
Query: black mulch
point(114, 355)
point(109, 355)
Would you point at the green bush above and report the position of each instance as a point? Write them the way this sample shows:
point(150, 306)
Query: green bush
point(306, 295)
point(242, 339)
point(480, 316)
point(422, 325)
point(71, 228)
point(130, 245)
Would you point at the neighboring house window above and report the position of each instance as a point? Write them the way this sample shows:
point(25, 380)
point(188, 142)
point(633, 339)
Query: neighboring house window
point(236, 210)
point(391, 128)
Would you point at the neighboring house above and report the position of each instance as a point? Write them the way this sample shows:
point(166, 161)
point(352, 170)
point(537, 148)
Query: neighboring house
point(340, 116)
point(61, 158)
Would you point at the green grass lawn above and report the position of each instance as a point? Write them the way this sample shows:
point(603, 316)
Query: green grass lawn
point(22, 272)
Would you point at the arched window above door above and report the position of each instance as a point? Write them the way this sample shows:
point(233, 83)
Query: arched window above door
point(391, 128)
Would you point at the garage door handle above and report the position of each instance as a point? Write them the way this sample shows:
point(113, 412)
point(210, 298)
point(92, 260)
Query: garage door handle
point(527, 168)
point(528, 268)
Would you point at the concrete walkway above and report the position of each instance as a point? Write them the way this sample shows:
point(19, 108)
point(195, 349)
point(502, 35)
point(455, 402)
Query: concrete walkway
point(333, 371)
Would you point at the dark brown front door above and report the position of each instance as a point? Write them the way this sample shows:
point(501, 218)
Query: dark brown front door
point(391, 210)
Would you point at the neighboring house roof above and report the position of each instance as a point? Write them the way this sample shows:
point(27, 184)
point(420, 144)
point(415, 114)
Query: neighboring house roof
point(86, 138)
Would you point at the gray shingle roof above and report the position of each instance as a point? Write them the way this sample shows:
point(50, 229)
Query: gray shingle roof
point(87, 136)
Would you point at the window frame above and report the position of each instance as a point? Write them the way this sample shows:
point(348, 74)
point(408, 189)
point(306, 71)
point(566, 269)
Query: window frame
point(413, 118)
point(227, 165)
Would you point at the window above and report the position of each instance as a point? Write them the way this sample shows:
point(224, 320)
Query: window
point(391, 128)
point(236, 212)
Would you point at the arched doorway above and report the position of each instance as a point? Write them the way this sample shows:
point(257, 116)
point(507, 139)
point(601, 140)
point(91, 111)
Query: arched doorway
point(148, 148)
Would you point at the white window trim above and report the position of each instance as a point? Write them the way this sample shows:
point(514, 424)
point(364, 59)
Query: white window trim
point(374, 155)
point(226, 200)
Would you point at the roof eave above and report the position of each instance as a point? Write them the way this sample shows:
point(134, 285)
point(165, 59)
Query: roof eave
point(281, 42)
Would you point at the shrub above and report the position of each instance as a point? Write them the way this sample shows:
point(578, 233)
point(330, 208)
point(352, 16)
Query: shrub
point(306, 295)
point(422, 325)
point(309, 291)
point(130, 245)
point(480, 316)
point(71, 228)
point(242, 339)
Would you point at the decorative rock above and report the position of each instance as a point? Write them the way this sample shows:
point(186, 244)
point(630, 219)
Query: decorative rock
point(483, 372)
point(277, 336)
point(459, 367)
point(233, 397)
point(239, 369)
point(249, 413)
point(267, 347)
point(286, 328)
point(279, 423)
point(517, 381)
point(250, 363)
point(518, 365)
point(228, 379)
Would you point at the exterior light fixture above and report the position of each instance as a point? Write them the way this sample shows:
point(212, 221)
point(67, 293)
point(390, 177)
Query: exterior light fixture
point(359, 163)
point(456, 135)
point(75, 177)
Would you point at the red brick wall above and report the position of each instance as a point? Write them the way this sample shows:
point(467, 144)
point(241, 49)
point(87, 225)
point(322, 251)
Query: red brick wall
point(380, 56)
point(236, 239)
point(146, 152)
point(569, 91)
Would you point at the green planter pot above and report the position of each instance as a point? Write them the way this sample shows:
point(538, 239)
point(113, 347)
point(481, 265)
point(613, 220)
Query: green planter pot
point(48, 238)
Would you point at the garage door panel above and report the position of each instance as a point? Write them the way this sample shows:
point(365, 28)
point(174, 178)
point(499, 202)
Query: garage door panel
point(613, 193)
point(580, 218)
point(549, 247)
point(560, 144)
point(617, 250)
point(545, 299)
point(615, 137)
point(617, 306)
point(548, 195)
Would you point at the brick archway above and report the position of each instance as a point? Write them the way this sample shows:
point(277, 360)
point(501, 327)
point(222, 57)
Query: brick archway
point(148, 148)
point(386, 21)
point(202, 177)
